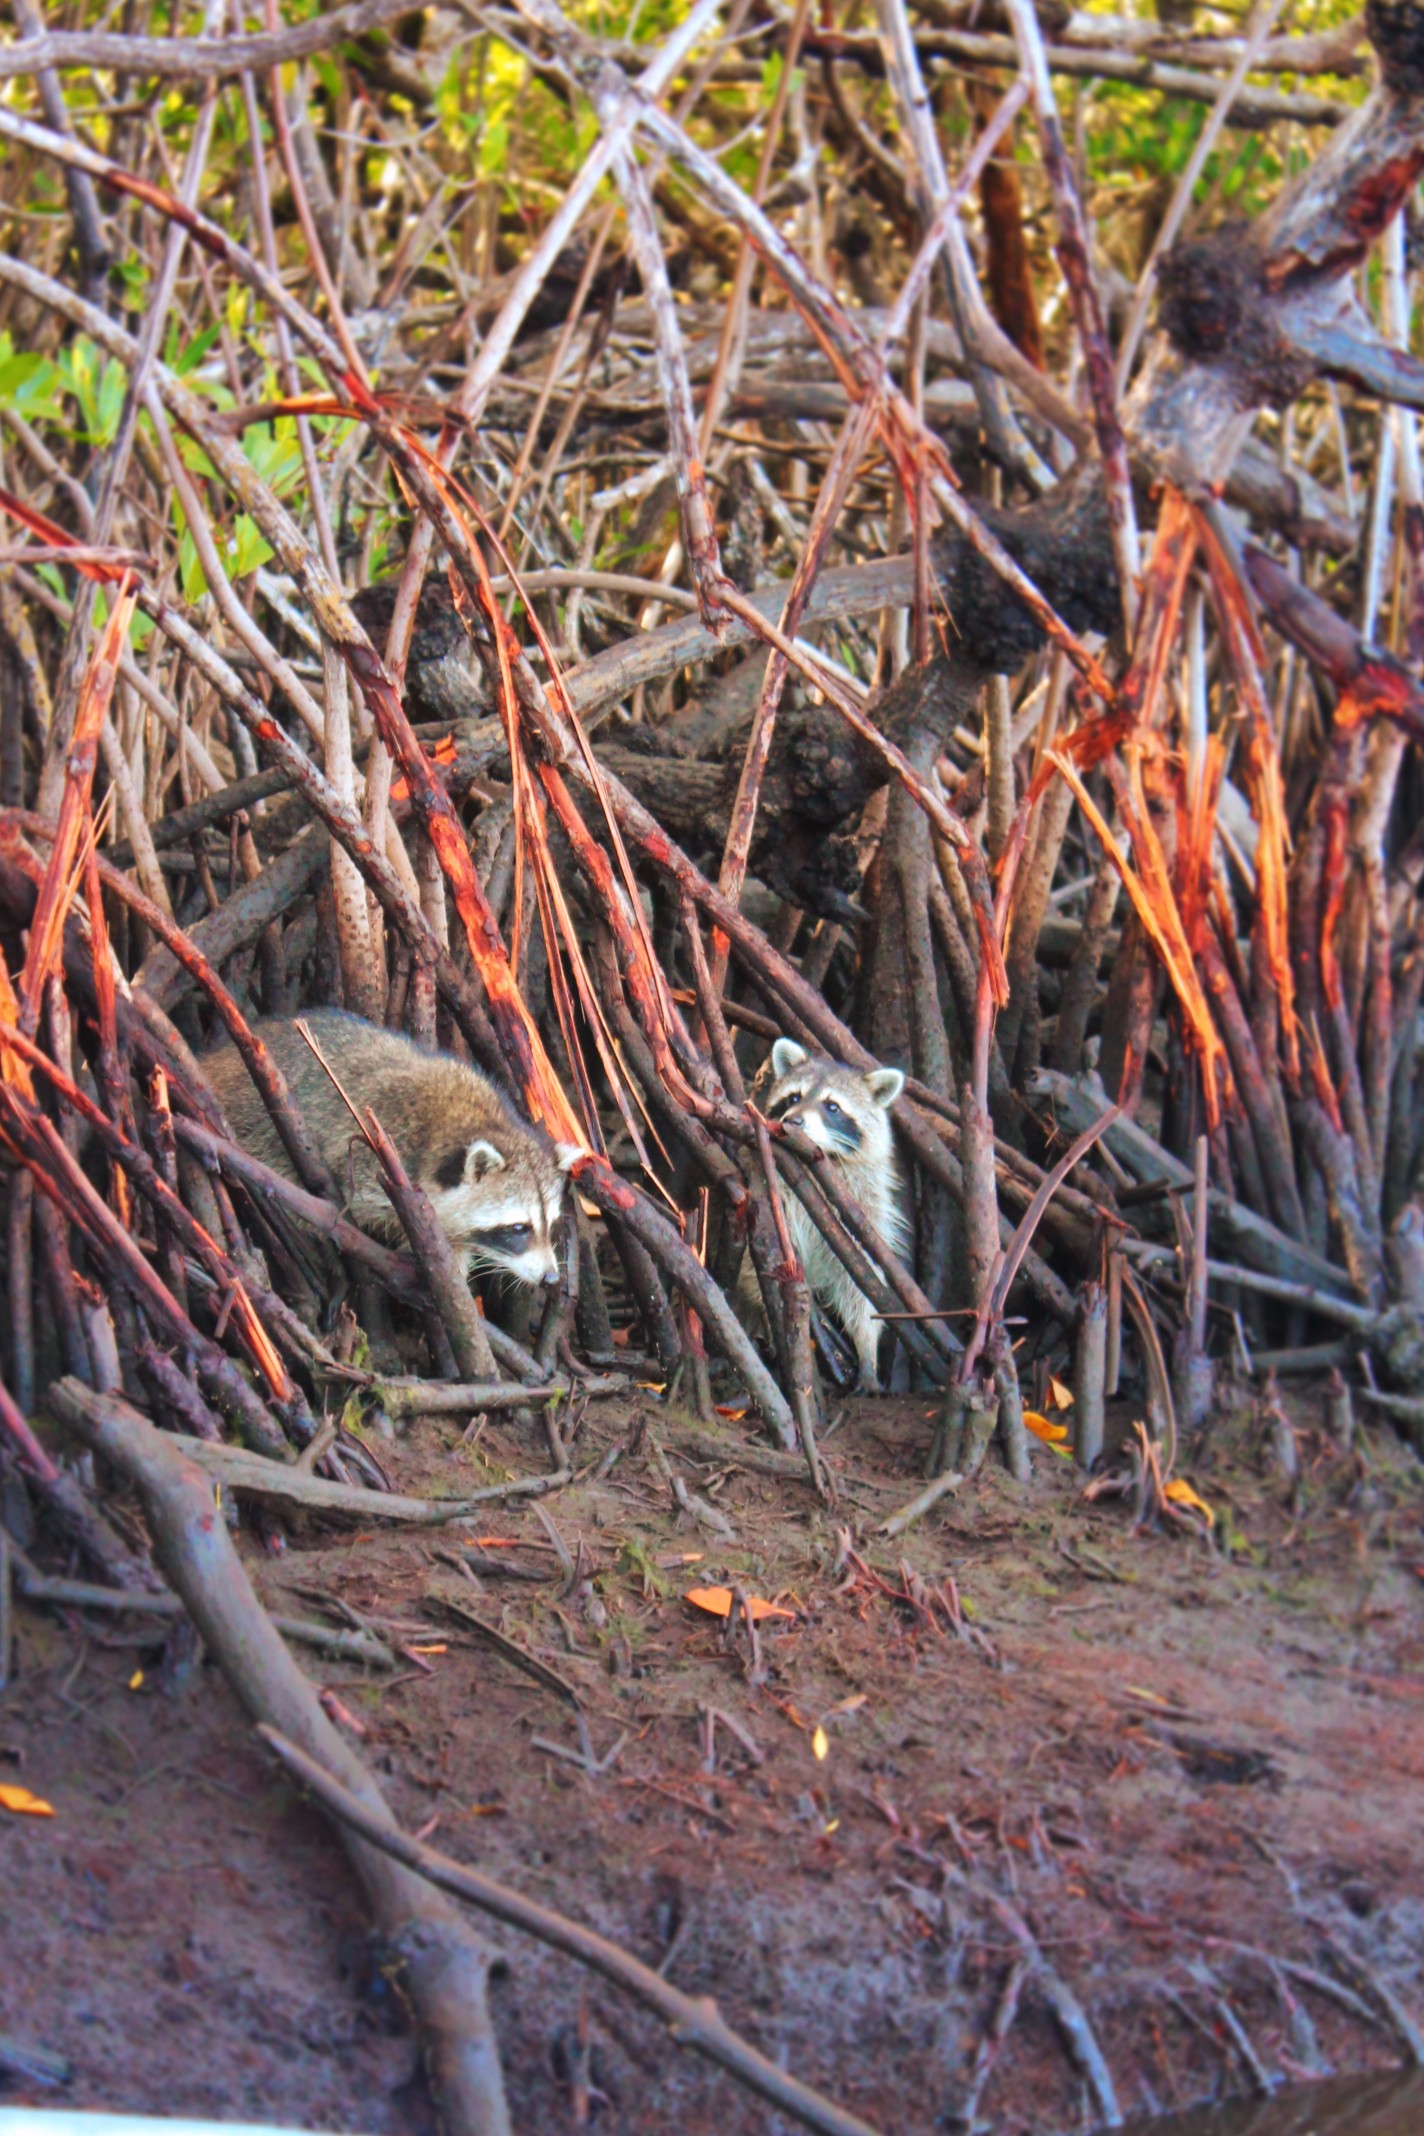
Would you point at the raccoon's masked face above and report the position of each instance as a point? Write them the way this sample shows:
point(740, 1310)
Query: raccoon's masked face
point(837, 1109)
point(502, 1214)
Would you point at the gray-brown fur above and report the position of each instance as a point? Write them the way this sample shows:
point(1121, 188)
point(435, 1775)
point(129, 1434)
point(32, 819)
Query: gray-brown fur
point(496, 1184)
point(845, 1112)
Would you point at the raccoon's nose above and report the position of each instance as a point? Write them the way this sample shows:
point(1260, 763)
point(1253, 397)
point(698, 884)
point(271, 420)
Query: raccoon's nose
point(550, 1277)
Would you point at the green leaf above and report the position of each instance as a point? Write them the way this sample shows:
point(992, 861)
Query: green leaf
point(32, 387)
point(245, 549)
point(197, 349)
point(98, 385)
point(275, 452)
point(190, 571)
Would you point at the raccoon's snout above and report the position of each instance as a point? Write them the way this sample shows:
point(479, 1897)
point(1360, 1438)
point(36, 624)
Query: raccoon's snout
point(813, 1127)
point(538, 1266)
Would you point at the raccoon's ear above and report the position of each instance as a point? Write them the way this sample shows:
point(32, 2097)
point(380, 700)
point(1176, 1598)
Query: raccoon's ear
point(885, 1084)
point(568, 1154)
point(482, 1158)
point(786, 1055)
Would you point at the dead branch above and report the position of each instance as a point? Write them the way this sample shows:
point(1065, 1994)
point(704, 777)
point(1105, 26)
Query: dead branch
point(694, 2022)
point(256, 1476)
point(442, 1966)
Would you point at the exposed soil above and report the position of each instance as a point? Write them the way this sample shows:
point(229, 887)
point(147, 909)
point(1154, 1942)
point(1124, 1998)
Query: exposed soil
point(1184, 1768)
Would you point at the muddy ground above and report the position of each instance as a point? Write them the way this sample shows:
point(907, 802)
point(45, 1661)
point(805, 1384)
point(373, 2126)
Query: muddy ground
point(1194, 1772)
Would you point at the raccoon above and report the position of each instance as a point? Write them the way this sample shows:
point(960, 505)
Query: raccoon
point(845, 1113)
point(495, 1183)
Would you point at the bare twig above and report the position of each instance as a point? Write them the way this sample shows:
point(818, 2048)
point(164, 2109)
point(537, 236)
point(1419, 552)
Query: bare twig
point(442, 1964)
point(694, 2022)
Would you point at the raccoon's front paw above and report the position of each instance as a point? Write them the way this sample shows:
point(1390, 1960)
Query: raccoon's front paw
point(867, 1381)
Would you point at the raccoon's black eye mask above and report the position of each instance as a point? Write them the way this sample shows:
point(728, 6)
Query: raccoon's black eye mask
point(842, 1125)
point(506, 1238)
point(784, 1104)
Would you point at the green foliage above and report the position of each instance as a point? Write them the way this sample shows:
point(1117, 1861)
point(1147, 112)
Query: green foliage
point(30, 385)
point(184, 359)
point(39, 389)
point(97, 385)
point(240, 546)
point(275, 453)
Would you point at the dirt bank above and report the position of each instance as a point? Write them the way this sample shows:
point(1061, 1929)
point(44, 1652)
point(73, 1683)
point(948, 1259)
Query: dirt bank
point(1192, 1774)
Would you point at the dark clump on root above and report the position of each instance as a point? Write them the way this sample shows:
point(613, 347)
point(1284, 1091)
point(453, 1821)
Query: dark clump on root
point(1396, 30)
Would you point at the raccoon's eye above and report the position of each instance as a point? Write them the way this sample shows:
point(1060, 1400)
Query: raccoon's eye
point(507, 1238)
point(829, 1105)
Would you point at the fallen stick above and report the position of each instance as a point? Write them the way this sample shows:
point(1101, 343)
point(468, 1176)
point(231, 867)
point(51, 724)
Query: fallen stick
point(991, 2044)
point(443, 1966)
point(1405, 1408)
point(693, 2020)
point(440, 1398)
point(706, 1444)
point(1304, 1358)
point(33, 2065)
point(1069, 2014)
point(344, 1644)
point(254, 1476)
point(921, 1504)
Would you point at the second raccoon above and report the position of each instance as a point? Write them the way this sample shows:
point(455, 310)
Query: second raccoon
point(496, 1184)
point(845, 1112)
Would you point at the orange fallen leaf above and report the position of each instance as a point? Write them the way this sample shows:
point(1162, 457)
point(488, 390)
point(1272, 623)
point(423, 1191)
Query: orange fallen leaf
point(733, 1416)
point(439, 1648)
point(717, 1601)
point(1180, 1492)
point(22, 1803)
point(1053, 1435)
